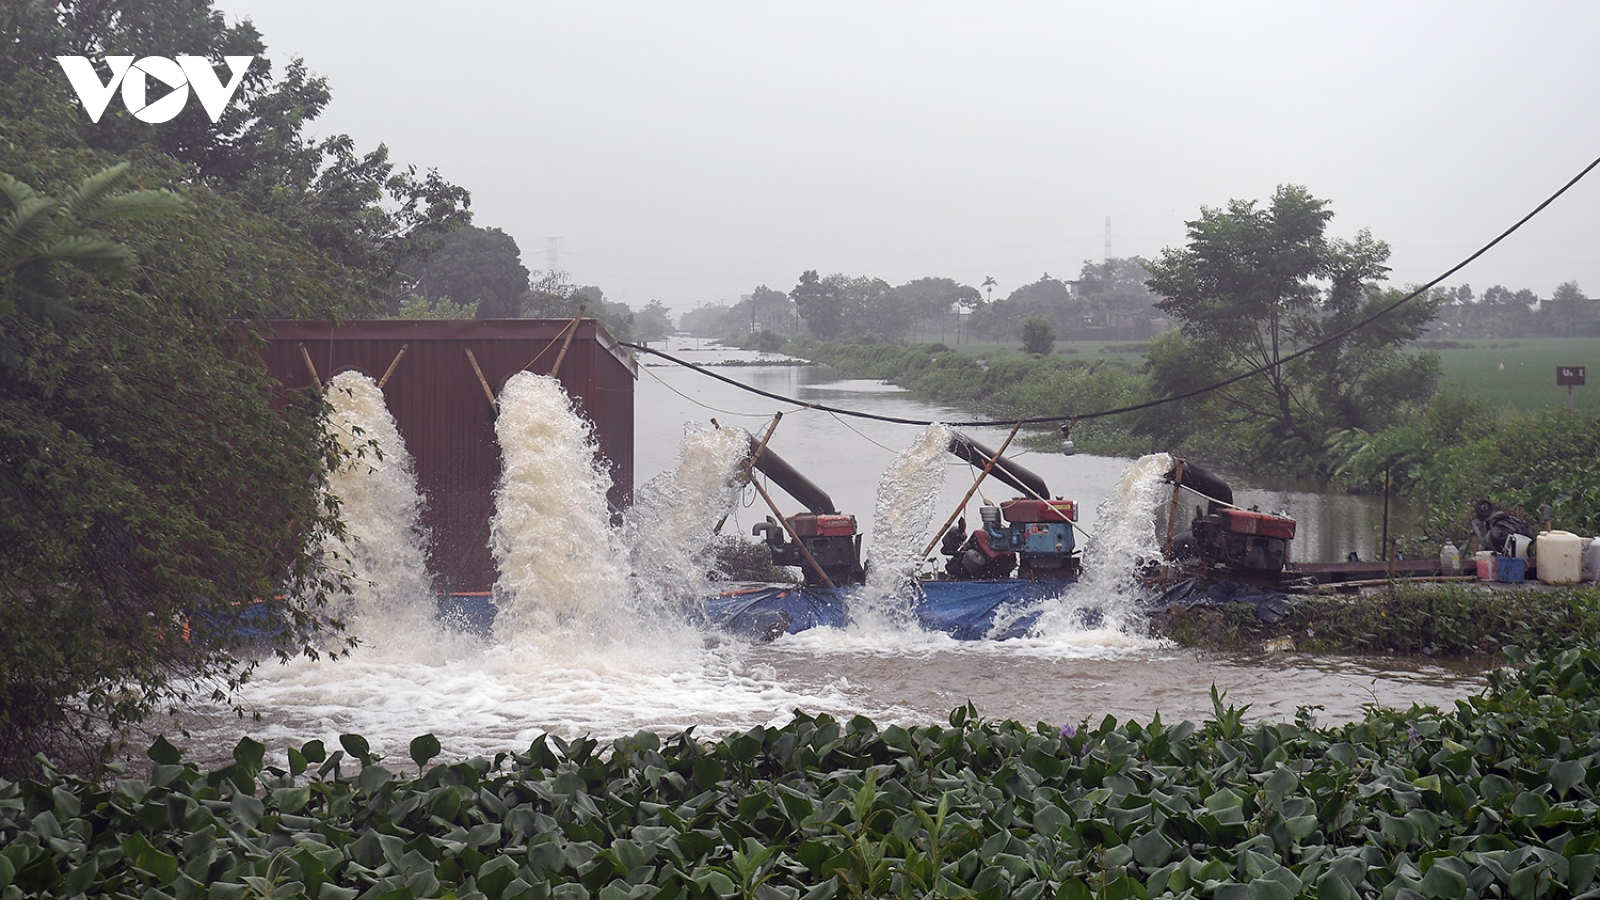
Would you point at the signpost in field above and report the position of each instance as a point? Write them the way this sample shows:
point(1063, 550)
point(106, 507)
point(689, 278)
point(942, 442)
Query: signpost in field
point(1569, 376)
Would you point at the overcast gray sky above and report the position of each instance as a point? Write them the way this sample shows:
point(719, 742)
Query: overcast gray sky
point(690, 151)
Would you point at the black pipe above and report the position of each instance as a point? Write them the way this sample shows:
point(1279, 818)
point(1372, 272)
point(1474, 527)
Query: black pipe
point(1203, 483)
point(1004, 469)
point(798, 486)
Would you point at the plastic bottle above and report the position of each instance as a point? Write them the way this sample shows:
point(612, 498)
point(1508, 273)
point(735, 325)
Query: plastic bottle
point(1450, 558)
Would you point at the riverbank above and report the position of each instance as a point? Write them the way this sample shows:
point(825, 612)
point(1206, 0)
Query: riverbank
point(1440, 620)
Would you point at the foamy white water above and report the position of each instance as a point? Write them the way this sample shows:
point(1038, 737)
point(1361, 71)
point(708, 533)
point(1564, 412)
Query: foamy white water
point(1124, 542)
point(668, 531)
point(908, 495)
point(384, 550)
point(561, 566)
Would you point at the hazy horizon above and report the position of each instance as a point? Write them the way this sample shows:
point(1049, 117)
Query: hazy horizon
point(689, 152)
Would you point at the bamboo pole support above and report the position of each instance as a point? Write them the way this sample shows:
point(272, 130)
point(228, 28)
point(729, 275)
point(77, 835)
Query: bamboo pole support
point(970, 491)
point(571, 330)
point(749, 464)
point(487, 392)
point(316, 380)
point(777, 513)
point(390, 371)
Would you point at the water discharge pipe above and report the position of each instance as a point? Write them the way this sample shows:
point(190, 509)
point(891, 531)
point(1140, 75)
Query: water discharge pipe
point(744, 469)
point(787, 477)
point(1212, 489)
point(791, 481)
point(989, 466)
point(1019, 478)
point(1007, 471)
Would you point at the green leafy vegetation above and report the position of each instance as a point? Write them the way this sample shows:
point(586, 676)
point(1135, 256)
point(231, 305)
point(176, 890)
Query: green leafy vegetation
point(1495, 797)
point(153, 484)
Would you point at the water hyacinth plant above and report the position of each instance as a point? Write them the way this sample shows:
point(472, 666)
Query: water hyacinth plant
point(1495, 797)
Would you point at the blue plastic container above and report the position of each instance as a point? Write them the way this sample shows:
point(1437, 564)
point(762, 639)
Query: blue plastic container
point(1512, 569)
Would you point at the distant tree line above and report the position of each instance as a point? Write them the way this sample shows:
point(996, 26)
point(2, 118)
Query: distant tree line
point(1500, 312)
point(1108, 301)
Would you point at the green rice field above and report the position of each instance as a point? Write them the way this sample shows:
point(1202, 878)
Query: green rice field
point(1520, 375)
point(1517, 375)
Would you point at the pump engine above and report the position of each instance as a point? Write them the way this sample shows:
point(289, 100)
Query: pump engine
point(1226, 536)
point(1032, 535)
point(830, 538)
point(832, 541)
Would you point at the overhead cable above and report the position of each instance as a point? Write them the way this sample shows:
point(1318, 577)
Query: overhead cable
point(1173, 398)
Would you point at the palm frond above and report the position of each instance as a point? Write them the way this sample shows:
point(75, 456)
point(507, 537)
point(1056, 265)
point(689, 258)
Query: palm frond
point(90, 254)
point(14, 193)
point(84, 200)
point(21, 230)
point(138, 205)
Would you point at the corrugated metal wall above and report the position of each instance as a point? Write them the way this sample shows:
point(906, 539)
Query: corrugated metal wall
point(447, 422)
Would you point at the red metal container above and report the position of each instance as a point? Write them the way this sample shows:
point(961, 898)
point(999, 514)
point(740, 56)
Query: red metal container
point(1022, 511)
point(441, 410)
point(1243, 521)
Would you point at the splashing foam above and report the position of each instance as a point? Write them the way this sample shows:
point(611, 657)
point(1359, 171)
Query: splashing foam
point(908, 493)
point(384, 547)
point(669, 529)
point(562, 570)
point(1125, 541)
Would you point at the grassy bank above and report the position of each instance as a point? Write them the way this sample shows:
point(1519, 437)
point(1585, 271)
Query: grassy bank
point(1493, 798)
point(1003, 384)
point(1432, 619)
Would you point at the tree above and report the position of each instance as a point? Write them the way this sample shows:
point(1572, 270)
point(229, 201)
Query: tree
point(1569, 313)
point(1038, 335)
point(820, 304)
point(770, 309)
point(1255, 284)
point(1116, 296)
point(653, 323)
point(873, 312)
point(931, 300)
point(417, 306)
point(39, 235)
point(472, 266)
point(1048, 298)
point(153, 486)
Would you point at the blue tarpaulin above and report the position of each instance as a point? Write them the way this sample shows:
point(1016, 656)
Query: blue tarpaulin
point(965, 610)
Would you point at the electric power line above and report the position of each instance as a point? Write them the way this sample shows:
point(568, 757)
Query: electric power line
point(1150, 404)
